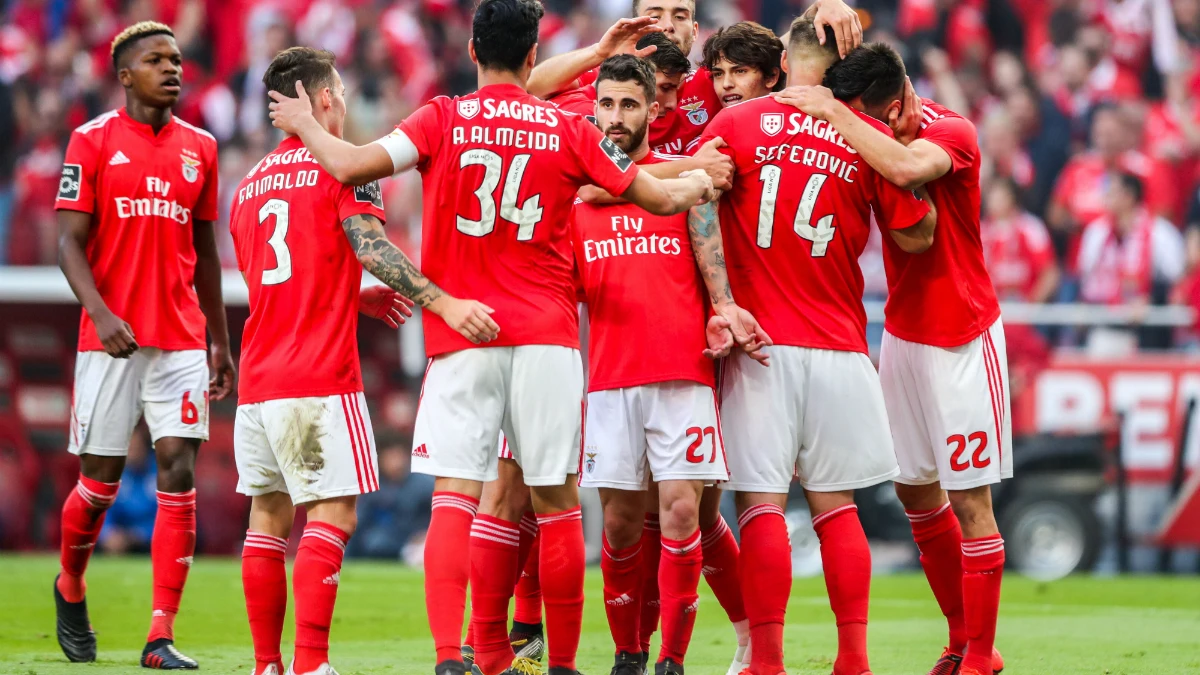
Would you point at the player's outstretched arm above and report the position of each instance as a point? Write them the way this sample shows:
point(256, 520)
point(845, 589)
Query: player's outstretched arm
point(908, 166)
point(708, 158)
point(116, 335)
point(671, 196)
point(918, 238)
point(560, 73)
point(382, 258)
point(208, 291)
point(348, 163)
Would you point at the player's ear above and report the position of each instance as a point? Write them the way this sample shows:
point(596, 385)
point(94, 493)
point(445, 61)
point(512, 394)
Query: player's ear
point(769, 81)
point(471, 50)
point(326, 98)
point(124, 76)
point(783, 62)
point(653, 111)
point(531, 57)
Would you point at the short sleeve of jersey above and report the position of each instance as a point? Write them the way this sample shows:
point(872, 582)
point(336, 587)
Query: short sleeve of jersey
point(599, 159)
point(715, 128)
point(424, 129)
point(360, 200)
point(896, 208)
point(580, 101)
point(589, 77)
point(956, 136)
point(77, 185)
point(206, 203)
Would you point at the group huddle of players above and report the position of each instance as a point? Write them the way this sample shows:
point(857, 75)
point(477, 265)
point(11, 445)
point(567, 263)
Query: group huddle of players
point(711, 221)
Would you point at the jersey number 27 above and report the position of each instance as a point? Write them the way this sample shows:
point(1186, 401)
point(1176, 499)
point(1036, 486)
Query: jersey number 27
point(524, 217)
point(820, 234)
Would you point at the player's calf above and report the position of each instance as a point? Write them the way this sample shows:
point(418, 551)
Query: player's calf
point(846, 559)
point(679, 569)
point(621, 566)
point(172, 547)
point(560, 526)
point(264, 577)
point(983, 569)
point(766, 575)
point(720, 570)
point(316, 574)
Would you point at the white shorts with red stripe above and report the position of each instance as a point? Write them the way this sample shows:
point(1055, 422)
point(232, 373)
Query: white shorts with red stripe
point(311, 448)
point(949, 410)
point(664, 430)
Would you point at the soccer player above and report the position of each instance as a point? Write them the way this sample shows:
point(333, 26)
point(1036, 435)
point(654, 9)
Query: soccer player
point(501, 169)
point(136, 205)
point(942, 364)
point(743, 61)
point(794, 225)
point(650, 410)
point(303, 434)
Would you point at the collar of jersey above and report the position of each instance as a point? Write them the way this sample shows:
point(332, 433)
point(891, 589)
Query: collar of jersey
point(504, 88)
point(146, 129)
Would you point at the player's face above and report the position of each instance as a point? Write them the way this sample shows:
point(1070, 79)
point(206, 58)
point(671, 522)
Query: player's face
point(668, 91)
point(1000, 202)
point(336, 97)
point(154, 71)
point(735, 83)
point(676, 18)
point(622, 113)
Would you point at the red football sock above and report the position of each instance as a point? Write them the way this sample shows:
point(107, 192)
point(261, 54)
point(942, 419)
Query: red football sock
point(494, 549)
point(678, 577)
point(766, 571)
point(846, 558)
point(82, 517)
point(529, 588)
point(315, 577)
point(264, 583)
point(721, 568)
point(939, 538)
point(983, 568)
point(447, 570)
point(171, 549)
point(651, 551)
point(622, 570)
point(562, 561)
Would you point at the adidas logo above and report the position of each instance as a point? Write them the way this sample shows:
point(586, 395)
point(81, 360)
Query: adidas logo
point(692, 607)
point(420, 452)
point(620, 601)
point(118, 158)
point(332, 579)
point(82, 547)
point(186, 560)
point(708, 569)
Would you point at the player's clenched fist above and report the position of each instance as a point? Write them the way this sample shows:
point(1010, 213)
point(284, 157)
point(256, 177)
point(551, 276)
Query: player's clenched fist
point(381, 302)
point(471, 318)
point(708, 193)
point(115, 335)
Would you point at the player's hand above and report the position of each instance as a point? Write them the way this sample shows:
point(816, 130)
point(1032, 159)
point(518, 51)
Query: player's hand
point(115, 335)
point(220, 364)
point(715, 163)
point(381, 302)
point(844, 22)
point(816, 101)
point(746, 332)
point(288, 113)
point(622, 37)
point(698, 175)
point(471, 318)
point(906, 123)
point(719, 337)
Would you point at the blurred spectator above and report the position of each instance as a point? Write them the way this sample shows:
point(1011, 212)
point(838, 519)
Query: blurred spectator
point(398, 512)
point(1016, 246)
point(129, 523)
point(1046, 137)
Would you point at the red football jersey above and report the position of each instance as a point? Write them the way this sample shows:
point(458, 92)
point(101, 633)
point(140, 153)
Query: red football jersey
point(944, 296)
point(303, 275)
point(501, 169)
point(672, 132)
point(796, 221)
point(1017, 252)
point(580, 100)
point(640, 279)
point(145, 192)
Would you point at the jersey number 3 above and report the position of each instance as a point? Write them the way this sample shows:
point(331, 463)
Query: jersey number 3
point(283, 257)
point(525, 217)
point(820, 235)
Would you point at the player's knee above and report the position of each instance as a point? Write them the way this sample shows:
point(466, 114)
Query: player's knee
point(176, 474)
point(920, 497)
point(101, 468)
point(681, 514)
point(339, 512)
point(973, 508)
point(622, 526)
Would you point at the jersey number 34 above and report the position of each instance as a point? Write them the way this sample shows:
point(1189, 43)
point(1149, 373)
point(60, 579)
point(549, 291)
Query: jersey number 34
point(820, 234)
point(524, 217)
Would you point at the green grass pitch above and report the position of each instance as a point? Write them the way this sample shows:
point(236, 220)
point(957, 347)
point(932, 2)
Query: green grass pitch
point(1117, 626)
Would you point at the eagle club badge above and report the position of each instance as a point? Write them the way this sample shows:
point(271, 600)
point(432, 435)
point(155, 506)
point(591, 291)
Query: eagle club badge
point(591, 461)
point(468, 108)
point(771, 123)
point(696, 113)
point(191, 168)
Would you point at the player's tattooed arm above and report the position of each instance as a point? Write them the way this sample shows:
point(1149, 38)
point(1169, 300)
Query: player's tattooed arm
point(387, 262)
point(116, 335)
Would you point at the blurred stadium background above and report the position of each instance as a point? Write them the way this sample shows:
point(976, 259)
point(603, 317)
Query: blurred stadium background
point(1066, 95)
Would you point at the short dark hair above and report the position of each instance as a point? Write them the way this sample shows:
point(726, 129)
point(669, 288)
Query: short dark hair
point(669, 59)
point(873, 72)
point(313, 67)
point(629, 68)
point(133, 34)
point(503, 32)
point(1131, 184)
point(745, 43)
point(803, 35)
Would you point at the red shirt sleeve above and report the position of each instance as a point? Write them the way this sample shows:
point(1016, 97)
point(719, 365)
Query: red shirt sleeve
point(589, 77)
point(424, 129)
point(956, 136)
point(599, 160)
point(77, 186)
point(896, 208)
point(581, 101)
point(358, 200)
point(717, 127)
point(206, 204)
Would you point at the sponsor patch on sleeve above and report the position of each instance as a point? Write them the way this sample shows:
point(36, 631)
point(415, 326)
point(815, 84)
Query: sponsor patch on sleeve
point(369, 194)
point(68, 185)
point(616, 154)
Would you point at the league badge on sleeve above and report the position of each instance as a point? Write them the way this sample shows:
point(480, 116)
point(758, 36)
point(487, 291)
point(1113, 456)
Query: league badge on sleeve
point(616, 154)
point(191, 168)
point(468, 108)
point(68, 184)
point(369, 194)
point(771, 123)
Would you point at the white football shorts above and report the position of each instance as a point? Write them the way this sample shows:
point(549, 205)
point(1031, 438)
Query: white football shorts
point(311, 448)
point(533, 394)
point(814, 414)
point(668, 430)
point(949, 410)
point(169, 387)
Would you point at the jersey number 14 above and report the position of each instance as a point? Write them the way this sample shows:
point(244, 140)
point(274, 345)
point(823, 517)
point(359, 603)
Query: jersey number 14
point(820, 234)
point(524, 217)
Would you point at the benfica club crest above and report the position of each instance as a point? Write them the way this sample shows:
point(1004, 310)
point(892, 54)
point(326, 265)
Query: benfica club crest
point(191, 168)
point(771, 123)
point(696, 113)
point(590, 464)
point(468, 108)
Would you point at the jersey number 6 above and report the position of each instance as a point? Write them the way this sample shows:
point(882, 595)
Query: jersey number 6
point(820, 236)
point(525, 217)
